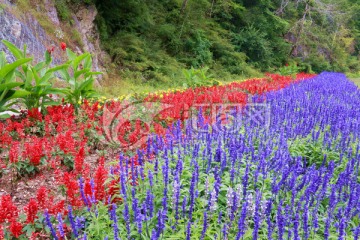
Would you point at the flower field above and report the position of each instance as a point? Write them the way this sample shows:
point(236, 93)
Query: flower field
point(295, 177)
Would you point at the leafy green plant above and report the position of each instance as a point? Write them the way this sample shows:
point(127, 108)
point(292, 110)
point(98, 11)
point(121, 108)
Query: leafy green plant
point(313, 152)
point(197, 77)
point(25, 168)
point(36, 79)
point(289, 69)
point(80, 78)
point(9, 91)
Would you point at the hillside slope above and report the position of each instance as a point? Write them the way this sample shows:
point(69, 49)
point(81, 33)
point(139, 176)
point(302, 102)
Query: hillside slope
point(148, 44)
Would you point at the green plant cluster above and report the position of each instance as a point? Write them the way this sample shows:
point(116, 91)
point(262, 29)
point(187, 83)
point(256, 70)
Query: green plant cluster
point(155, 40)
point(24, 83)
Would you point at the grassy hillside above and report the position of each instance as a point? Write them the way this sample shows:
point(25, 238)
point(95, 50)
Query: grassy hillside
point(152, 43)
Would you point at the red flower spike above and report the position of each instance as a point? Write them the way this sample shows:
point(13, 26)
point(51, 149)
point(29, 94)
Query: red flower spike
point(31, 210)
point(63, 46)
point(16, 228)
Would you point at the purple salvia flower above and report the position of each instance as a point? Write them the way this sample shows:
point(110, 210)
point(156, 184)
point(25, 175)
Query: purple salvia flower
point(296, 227)
point(72, 223)
point(184, 203)
point(151, 178)
point(136, 211)
point(192, 195)
point(82, 193)
point(219, 217)
point(80, 222)
point(280, 221)
point(153, 235)
point(257, 217)
point(113, 217)
point(213, 201)
point(357, 232)
point(245, 179)
point(305, 220)
point(127, 218)
point(204, 226)
point(150, 203)
point(188, 231)
point(50, 226)
point(160, 224)
point(60, 225)
point(224, 231)
point(234, 207)
point(229, 200)
point(241, 223)
point(342, 227)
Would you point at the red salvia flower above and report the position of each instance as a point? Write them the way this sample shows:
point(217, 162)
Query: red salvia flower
point(100, 177)
point(33, 150)
point(8, 210)
point(16, 228)
point(79, 160)
point(41, 195)
point(63, 46)
point(31, 210)
point(51, 49)
point(14, 152)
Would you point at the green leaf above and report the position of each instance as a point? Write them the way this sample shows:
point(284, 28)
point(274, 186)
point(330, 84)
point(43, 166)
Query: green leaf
point(92, 73)
point(78, 60)
point(48, 58)
point(29, 78)
point(88, 62)
point(4, 116)
point(18, 54)
point(57, 68)
point(64, 74)
point(71, 55)
point(9, 85)
point(4, 71)
point(16, 94)
point(78, 73)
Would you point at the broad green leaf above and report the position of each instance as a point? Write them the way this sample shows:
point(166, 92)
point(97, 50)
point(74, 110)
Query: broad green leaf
point(57, 68)
point(9, 85)
point(78, 73)
point(71, 55)
point(12, 66)
point(93, 73)
point(11, 94)
point(39, 66)
point(78, 60)
point(88, 62)
point(64, 74)
point(45, 79)
point(48, 58)
point(36, 76)
point(29, 78)
point(85, 84)
point(18, 54)
point(4, 116)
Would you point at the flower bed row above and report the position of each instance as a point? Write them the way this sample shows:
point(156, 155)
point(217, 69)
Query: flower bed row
point(296, 179)
point(59, 142)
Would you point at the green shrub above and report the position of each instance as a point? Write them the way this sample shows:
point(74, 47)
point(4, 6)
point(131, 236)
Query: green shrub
point(63, 10)
point(31, 85)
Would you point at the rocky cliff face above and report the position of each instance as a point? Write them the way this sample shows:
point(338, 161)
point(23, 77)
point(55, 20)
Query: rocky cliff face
point(25, 29)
